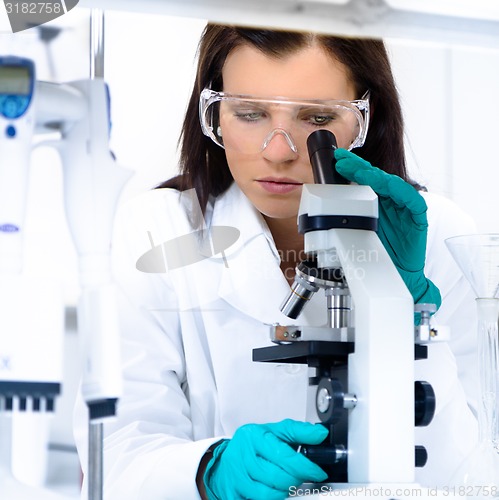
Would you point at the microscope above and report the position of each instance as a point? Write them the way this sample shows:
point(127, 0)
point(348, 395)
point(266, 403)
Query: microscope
point(361, 361)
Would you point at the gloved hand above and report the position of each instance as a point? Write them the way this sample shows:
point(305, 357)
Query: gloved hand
point(260, 461)
point(402, 225)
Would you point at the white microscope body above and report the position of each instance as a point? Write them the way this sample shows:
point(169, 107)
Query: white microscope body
point(364, 356)
point(380, 370)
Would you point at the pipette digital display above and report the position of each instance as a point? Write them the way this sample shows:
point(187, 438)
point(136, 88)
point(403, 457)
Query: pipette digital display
point(17, 79)
point(14, 80)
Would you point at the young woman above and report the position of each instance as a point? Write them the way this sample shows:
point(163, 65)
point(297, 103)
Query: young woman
point(192, 314)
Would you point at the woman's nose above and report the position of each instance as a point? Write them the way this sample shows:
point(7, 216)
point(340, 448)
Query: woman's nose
point(279, 146)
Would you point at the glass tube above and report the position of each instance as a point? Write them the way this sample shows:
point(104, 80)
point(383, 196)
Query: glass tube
point(478, 258)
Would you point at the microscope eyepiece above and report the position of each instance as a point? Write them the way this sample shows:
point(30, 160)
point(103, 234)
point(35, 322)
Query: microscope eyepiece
point(321, 145)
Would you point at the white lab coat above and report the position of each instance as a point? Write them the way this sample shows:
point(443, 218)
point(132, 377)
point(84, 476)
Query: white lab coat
point(188, 336)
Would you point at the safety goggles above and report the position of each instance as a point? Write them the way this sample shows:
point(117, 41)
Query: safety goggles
point(248, 124)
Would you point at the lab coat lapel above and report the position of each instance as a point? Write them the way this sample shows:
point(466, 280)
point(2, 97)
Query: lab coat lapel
point(251, 280)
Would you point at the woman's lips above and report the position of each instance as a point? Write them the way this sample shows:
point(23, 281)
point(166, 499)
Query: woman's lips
point(279, 185)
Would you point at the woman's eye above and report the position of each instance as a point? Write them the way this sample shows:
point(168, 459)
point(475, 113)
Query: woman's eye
point(323, 118)
point(249, 116)
point(320, 119)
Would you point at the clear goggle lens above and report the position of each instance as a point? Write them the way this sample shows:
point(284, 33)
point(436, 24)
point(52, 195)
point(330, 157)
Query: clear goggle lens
point(248, 124)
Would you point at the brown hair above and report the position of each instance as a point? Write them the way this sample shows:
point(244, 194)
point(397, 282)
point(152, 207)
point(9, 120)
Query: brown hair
point(203, 165)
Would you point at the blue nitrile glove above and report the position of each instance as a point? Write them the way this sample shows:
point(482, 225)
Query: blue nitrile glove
point(261, 461)
point(402, 225)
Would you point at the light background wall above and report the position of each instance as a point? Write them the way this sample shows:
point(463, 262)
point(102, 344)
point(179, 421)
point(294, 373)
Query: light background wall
point(449, 97)
point(452, 127)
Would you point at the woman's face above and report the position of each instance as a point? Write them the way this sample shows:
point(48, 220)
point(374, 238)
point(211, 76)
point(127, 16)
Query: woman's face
point(272, 179)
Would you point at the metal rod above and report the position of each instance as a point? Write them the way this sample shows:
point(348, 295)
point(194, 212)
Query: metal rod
point(96, 43)
point(95, 461)
point(95, 430)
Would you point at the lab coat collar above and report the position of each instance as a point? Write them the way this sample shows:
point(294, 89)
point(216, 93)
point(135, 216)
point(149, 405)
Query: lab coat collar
point(251, 280)
point(234, 209)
